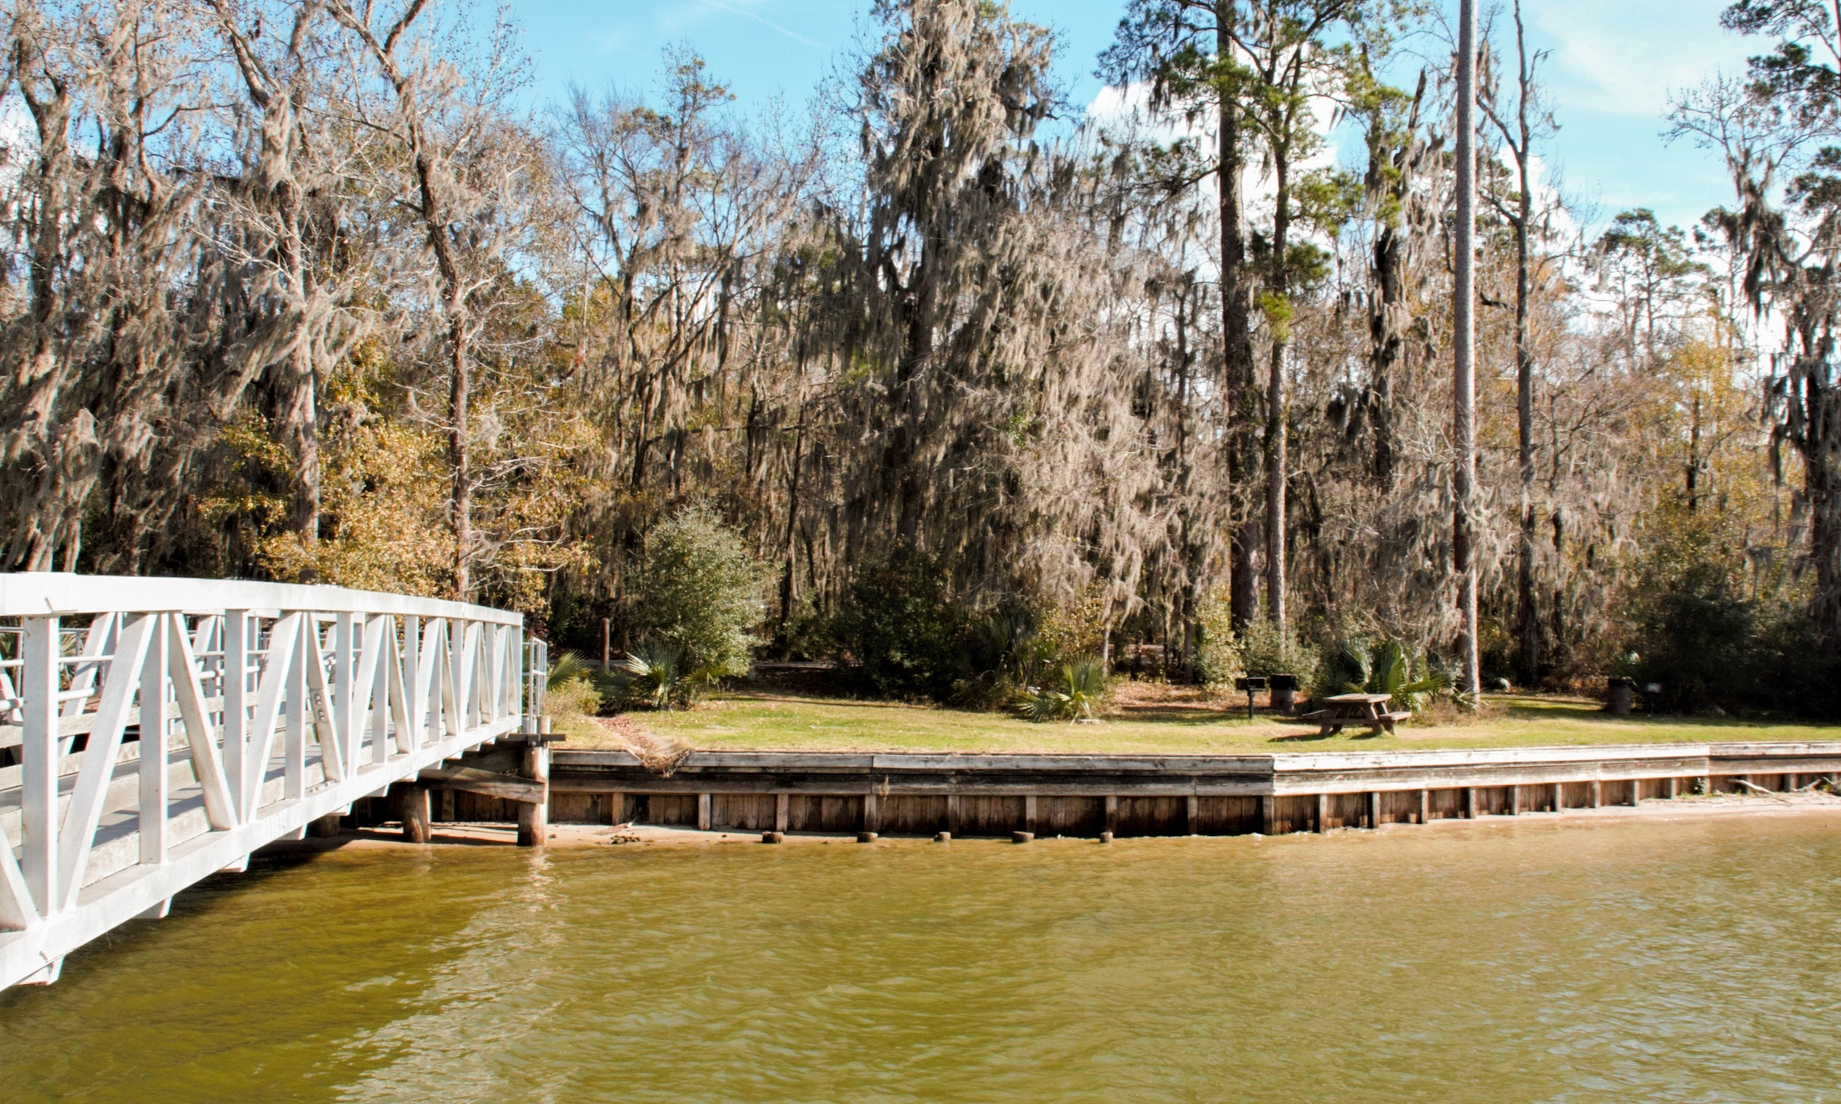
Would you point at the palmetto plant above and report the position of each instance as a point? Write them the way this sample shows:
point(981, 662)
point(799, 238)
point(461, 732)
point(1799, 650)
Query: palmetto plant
point(1074, 694)
point(654, 677)
point(567, 667)
point(1356, 667)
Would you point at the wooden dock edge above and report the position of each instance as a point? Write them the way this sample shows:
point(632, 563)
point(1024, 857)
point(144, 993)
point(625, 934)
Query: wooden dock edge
point(1136, 795)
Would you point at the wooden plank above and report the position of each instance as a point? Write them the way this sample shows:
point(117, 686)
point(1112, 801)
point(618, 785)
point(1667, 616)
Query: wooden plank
point(510, 787)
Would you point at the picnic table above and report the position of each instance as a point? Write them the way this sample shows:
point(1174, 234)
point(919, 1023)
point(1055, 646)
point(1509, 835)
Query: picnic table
point(1355, 709)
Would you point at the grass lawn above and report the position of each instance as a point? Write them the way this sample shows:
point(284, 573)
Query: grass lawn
point(1148, 720)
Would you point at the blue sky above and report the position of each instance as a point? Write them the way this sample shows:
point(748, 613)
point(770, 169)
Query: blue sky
point(1613, 66)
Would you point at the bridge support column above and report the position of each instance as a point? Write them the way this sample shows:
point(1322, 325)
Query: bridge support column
point(534, 816)
point(325, 827)
point(412, 808)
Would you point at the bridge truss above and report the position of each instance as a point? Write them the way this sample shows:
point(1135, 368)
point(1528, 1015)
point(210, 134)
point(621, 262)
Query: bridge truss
point(156, 731)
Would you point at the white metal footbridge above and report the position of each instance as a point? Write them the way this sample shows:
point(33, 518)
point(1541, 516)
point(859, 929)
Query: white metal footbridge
point(156, 731)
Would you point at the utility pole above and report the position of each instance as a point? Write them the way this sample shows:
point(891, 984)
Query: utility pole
point(1464, 415)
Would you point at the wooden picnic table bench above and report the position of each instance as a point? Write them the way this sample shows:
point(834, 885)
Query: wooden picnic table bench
point(1355, 709)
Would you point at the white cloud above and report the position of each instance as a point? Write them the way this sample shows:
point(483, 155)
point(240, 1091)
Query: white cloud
point(1627, 57)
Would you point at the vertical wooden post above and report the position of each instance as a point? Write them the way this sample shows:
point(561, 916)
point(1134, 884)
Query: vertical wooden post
point(1192, 814)
point(1673, 789)
point(1374, 811)
point(952, 813)
point(606, 643)
point(155, 782)
point(411, 663)
point(872, 812)
point(234, 682)
point(1112, 814)
point(1636, 792)
point(534, 816)
point(1267, 814)
point(782, 811)
point(38, 688)
point(1323, 812)
point(1470, 803)
point(344, 695)
point(447, 806)
point(1425, 806)
point(1597, 794)
point(294, 739)
point(1514, 800)
point(1029, 813)
point(412, 810)
point(703, 812)
point(1559, 798)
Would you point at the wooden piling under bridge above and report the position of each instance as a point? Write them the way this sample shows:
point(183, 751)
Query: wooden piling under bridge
point(923, 794)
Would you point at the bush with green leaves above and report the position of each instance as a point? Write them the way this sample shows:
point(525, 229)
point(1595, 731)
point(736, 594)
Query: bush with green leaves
point(1386, 667)
point(1264, 650)
point(898, 630)
point(569, 688)
point(1075, 692)
point(655, 677)
point(698, 593)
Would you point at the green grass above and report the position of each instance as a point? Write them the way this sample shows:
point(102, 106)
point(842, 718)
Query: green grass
point(767, 721)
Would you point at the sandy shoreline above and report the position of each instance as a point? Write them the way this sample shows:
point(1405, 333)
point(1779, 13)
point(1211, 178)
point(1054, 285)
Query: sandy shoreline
point(623, 835)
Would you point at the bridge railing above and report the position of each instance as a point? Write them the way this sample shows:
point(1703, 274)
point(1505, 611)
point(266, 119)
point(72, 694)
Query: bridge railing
point(153, 731)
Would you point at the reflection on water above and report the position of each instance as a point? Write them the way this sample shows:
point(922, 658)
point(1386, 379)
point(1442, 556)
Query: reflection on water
point(1656, 961)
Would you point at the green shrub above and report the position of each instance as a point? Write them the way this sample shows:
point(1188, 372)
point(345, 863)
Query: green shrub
point(1383, 667)
point(698, 593)
point(1263, 650)
point(569, 687)
point(573, 697)
point(897, 629)
point(1697, 638)
point(655, 677)
point(1075, 694)
point(1217, 652)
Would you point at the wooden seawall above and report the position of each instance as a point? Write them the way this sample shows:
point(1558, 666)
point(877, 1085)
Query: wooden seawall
point(1083, 795)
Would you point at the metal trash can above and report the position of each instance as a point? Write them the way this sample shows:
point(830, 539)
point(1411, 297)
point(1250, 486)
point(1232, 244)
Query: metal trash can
point(1620, 695)
point(1284, 692)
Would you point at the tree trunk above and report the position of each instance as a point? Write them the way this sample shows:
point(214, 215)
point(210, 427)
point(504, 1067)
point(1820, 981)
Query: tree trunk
point(1276, 451)
point(1464, 474)
point(1530, 614)
point(459, 454)
point(1237, 336)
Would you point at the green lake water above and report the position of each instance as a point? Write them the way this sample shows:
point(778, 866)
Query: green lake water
point(1691, 960)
